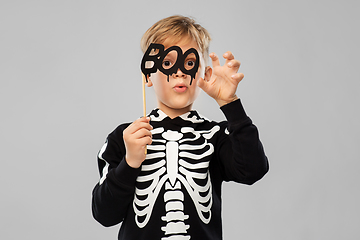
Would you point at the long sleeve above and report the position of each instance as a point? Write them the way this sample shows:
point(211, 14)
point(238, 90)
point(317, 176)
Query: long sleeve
point(241, 155)
point(115, 190)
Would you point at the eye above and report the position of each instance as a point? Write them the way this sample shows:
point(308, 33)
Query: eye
point(167, 64)
point(189, 64)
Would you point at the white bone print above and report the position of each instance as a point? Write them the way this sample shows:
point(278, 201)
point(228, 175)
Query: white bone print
point(167, 164)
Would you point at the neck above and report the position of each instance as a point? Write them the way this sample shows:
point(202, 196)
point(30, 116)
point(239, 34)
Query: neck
point(174, 112)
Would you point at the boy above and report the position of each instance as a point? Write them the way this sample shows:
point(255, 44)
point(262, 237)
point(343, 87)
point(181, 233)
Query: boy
point(174, 190)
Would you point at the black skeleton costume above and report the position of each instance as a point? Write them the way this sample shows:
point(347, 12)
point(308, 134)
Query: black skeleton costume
point(176, 193)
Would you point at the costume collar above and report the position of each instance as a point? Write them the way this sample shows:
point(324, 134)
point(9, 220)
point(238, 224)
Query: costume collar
point(193, 116)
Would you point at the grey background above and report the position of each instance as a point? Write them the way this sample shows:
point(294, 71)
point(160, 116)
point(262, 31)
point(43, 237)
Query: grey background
point(69, 74)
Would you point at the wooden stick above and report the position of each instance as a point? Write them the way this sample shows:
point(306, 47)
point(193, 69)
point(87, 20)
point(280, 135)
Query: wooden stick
point(144, 100)
point(144, 97)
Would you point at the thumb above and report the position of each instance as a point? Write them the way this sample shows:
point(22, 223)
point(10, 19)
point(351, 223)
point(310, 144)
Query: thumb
point(202, 84)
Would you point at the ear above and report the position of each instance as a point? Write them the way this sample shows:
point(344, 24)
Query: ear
point(149, 83)
point(208, 73)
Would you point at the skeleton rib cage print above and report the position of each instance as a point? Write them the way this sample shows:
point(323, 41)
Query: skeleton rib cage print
point(176, 160)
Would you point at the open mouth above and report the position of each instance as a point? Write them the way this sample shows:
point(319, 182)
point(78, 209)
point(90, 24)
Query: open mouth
point(180, 88)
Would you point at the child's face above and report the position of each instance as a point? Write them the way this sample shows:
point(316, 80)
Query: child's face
point(177, 94)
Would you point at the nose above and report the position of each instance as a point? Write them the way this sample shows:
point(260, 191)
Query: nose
point(179, 74)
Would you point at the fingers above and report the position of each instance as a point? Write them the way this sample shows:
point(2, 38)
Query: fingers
point(238, 77)
point(215, 60)
point(230, 62)
point(232, 65)
point(136, 136)
point(138, 124)
point(143, 136)
point(228, 55)
point(139, 129)
point(235, 64)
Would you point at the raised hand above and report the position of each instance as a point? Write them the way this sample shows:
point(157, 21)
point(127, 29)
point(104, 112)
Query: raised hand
point(221, 82)
point(136, 136)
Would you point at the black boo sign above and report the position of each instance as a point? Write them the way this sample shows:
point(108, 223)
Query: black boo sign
point(158, 60)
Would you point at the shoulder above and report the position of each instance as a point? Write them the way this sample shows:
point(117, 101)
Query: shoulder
point(204, 123)
point(121, 127)
point(117, 133)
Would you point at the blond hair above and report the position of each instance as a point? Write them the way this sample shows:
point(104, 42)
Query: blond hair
point(175, 29)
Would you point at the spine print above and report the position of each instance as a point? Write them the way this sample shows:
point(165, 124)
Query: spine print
point(175, 227)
